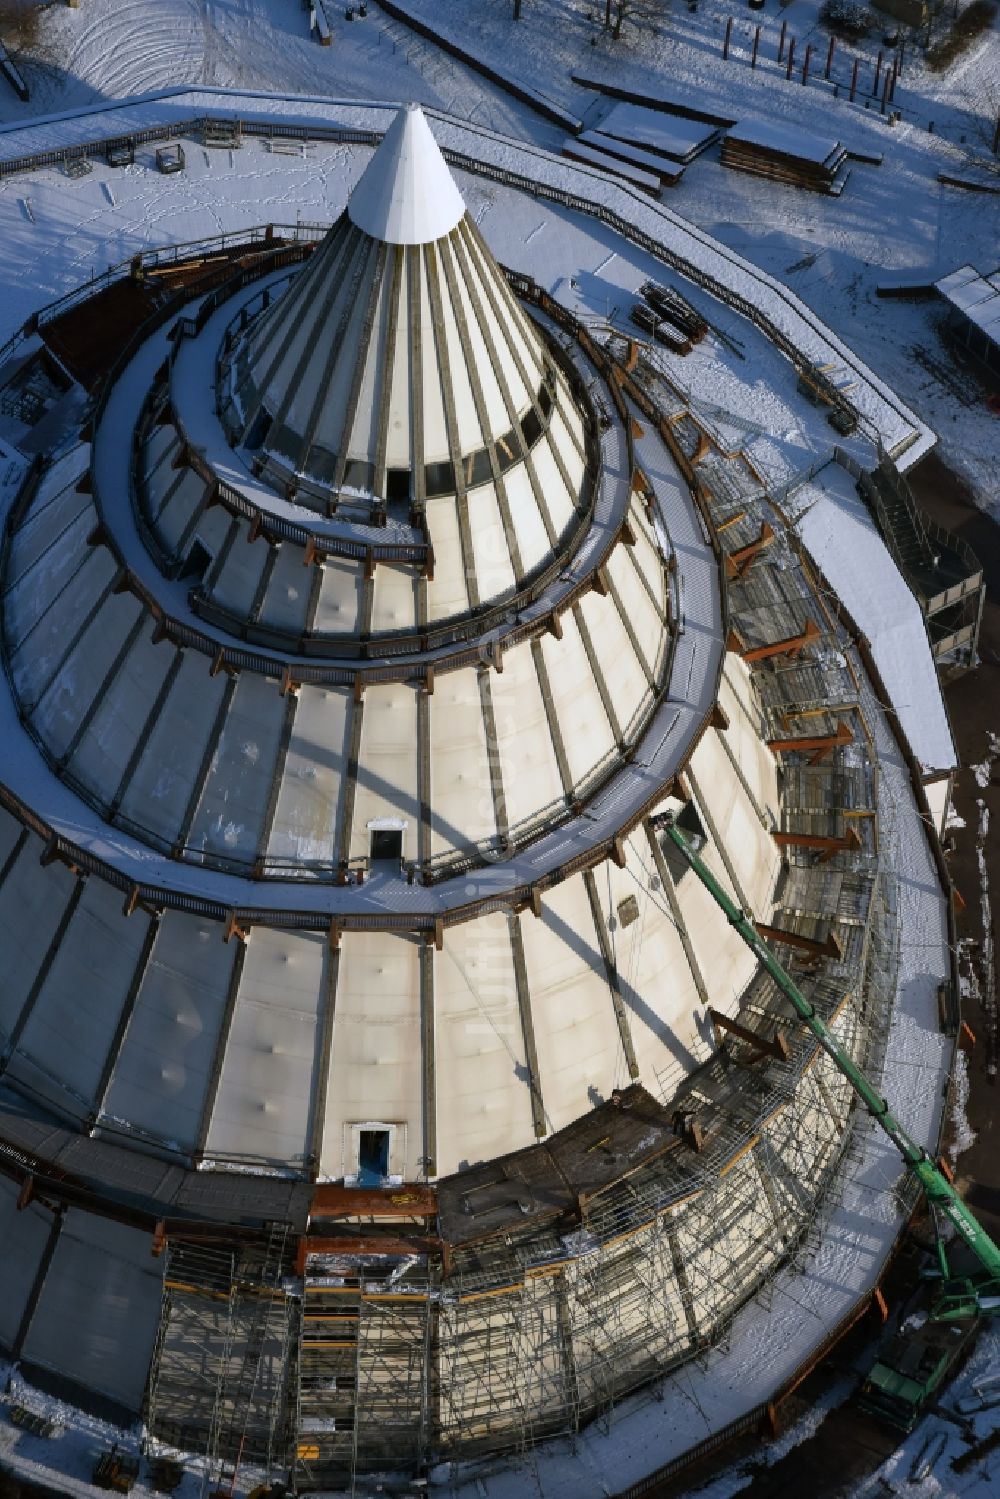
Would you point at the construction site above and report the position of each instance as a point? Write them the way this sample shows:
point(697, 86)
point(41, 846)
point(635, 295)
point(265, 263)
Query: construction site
point(383, 1096)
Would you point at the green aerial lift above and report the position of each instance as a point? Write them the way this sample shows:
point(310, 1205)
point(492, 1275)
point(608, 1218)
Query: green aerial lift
point(911, 1370)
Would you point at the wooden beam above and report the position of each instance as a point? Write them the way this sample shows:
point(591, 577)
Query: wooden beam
point(776, 1047)
point(412, 1200)
point(827, 847)
point(831, 948)
point(737, 562)
point(820, 744)
point(790, 646)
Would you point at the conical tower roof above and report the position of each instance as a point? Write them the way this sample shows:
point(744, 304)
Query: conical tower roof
point(407, 195)
point(399, 373)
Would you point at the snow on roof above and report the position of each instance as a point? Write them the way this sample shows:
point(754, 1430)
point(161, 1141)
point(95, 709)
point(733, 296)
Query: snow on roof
point(407, 195)
point(842, 538)
point(790, 140)
point(668, 134)
point(975, 295)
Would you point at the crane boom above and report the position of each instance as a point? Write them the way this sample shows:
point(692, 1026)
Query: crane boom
point(938, 1190)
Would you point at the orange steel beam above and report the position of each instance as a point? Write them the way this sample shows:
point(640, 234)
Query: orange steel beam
point(831, 948)
point(737, 561)
point(827, 846)
point(787, 647)
point(334, 1201)
point(777, 1046)
point(821, 744)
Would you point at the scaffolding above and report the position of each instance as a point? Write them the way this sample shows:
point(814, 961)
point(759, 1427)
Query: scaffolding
point(581, 1269)
point(222, 1370)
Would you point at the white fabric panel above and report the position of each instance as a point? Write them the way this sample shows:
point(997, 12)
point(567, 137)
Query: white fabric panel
point(104, 750)
point(503, 336)
point(338, 609)
point(580, 1056)
point(619, 664)
point(263, 1108)
point(230, 814)
point(63, 472)
point(586, 729)
point(78, 682)
point(645, 555)
point(494, 572)
point(726, 963)
point(669, 1030)
point(496, 410)
point(159, 790)
point(529, 528)
point(10, 832)
point(645, 619)
point(752, 851)
point(211, 529)
point(447, 594)
point(240, 574)
point(757, 763)
point(300, 370)
point(363, 438)
point(160, 442)
point(165, 1061)
point(530, 772)
point(387, 774)
point(338, 391)
point(397, 454)
point(36, 656)
point(461, 796)
point(46, 526)
point(23, 1236)
point(483, 1094)
point(32, 902)
point(306, 822)
point(436, 446)
point(557, 499)
point(173, 516)
point(566, 414)
point(938, 797)
point(394, 605)
point(306, 816)
point(376, 1072)
point(470, 435)
point(43, 559)
point(522, 331)
point(287, 598)
point(99, 1308)
point(72, 1024)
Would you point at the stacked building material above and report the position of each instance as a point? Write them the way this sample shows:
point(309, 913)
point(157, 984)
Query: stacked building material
point(678, 139)
point(784, 154)
point(648, 160)
point(591, 156)
point(670, 305)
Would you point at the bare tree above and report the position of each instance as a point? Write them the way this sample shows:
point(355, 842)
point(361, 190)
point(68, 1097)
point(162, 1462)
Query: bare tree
point(638, 13)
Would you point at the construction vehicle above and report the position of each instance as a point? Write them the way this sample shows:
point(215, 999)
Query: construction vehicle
point(914, 1366)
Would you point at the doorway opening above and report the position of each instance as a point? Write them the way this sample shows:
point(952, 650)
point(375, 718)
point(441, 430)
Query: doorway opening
point(386, 844)
point(373, 1157)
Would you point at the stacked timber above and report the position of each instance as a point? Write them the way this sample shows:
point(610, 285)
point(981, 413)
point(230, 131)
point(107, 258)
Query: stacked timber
point(636, 176)
point(647, 160)
point(786, 154)
point(669, 305)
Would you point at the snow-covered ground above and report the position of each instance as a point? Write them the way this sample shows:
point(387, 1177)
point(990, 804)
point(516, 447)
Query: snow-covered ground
point(895, 218)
